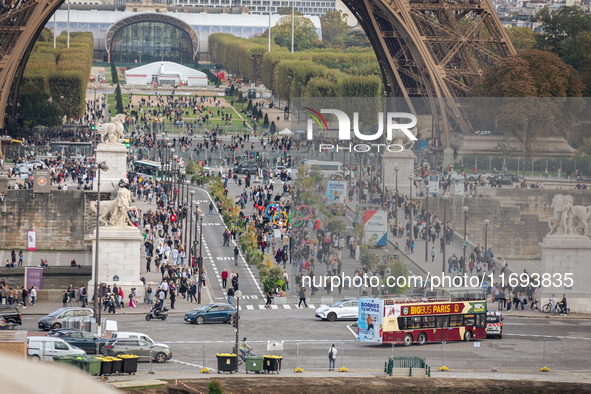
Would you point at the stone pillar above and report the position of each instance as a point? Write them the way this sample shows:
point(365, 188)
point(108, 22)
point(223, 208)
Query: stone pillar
point(115, 155)
point(119, 258)
point(405, 162)
point(567, 255)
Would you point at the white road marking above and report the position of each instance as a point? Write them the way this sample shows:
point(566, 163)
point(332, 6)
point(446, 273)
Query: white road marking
point(192, 365)
point(286, 306)
point(352, 332)
point(273, 306)
point(249, 307)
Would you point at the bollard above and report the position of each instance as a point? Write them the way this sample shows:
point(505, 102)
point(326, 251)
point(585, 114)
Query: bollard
point(342, 354)
point(443, 358)
point(494, 367)
point(297, 355)
point(544, 358)
point(204, 355)
point(258, 348)
point(151, 372)
point(393, 342)
point(97, 349)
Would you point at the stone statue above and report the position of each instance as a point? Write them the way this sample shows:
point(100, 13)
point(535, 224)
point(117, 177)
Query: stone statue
point(562, 219)
point(581, 214)
point(114, 213)
point(112, 132)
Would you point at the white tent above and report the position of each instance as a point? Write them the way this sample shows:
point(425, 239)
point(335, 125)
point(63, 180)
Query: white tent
point(285, 131)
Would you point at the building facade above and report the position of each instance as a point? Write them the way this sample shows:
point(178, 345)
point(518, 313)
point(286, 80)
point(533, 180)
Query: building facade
point(167, 33)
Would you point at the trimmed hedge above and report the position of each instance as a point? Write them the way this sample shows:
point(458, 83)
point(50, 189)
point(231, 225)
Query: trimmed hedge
point(68, 89)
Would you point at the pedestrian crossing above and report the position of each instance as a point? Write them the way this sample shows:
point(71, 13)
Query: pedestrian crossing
point(275, 306)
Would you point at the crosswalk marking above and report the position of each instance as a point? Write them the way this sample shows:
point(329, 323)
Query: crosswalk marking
point(261, 307)
point(273, 306)
point(287, 306)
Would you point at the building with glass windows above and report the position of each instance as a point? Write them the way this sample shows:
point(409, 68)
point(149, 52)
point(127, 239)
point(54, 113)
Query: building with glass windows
point(160, 35)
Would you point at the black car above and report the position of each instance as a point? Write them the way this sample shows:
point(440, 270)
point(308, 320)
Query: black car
point(212, 313)
point(246, 168)
point(86, 341)
point(502, 179)
point(10, 314)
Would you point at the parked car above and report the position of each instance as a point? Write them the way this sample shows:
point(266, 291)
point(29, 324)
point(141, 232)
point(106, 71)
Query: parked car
point(40, 347)
point(584, 178)
point(494, 324)
point(277, 170)
point(344, 309)
point(54, 319)
point(86, 341)
point(10, 314)
point(502, 179)
point(135, 335)
point(160, 353)
point(212, 313)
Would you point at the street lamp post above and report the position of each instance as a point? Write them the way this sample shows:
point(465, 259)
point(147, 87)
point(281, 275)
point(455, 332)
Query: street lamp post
point(173, 189)
point(410, 178)
point(486, 223)
point(188, 242)
point(201, 216)
point(427, 226)
point(96, 305)
point(237, 295)
point(445, 197)
point(465, 243)
point(524, 137)
point(396, 207)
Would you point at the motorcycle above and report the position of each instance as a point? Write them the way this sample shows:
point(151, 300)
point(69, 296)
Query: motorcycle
point(154, 313)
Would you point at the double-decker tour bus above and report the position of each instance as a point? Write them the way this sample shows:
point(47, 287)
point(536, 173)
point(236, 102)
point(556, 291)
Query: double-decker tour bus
point(454, 314)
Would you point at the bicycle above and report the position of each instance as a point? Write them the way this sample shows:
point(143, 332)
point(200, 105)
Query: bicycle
point(248, 353)
point(548, 307)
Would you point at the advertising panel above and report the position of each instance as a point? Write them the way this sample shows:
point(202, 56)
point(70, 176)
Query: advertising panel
point(433, 185)
point(375, 227)
point(370, 320)
point(336, 192)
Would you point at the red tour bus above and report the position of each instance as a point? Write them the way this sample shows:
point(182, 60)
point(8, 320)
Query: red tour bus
point(455, 314)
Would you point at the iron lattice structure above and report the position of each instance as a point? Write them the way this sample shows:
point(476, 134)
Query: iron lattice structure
point(436, 49)
point(21, 22)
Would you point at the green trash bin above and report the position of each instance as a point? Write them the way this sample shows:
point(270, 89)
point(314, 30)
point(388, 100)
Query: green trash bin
point(129, 363)
point(254, 364)
point(64, 359)
point(92, 366)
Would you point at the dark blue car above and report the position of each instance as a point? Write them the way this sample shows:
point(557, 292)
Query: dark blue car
point(212, 313)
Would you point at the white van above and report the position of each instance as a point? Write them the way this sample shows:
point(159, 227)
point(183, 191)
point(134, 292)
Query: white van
point(44, 348)
point(494, 324)
point(328, 168)
point(135, 335)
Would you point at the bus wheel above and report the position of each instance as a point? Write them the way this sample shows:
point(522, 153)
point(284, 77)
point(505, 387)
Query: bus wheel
point(407, 340)
point(468, 336)
point(422, 339)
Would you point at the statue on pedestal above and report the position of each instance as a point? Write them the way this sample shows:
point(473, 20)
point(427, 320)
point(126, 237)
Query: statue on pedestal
point(114, 213)
point(561, 223)
point(112, 132)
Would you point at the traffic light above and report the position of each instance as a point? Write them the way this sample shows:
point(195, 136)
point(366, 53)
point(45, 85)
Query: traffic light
point(258, 157)
point(92, 127)
point(127, 142)
point(235, 320)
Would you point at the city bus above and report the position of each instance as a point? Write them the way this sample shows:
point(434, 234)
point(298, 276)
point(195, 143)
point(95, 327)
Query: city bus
point(148, 169)
point(457, 314)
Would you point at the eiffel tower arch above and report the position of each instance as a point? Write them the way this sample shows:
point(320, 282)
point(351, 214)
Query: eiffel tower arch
point(21, 22)
point(435, 49)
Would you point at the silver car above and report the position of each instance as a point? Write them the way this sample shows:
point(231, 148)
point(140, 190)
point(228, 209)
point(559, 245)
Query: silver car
point(144, 349)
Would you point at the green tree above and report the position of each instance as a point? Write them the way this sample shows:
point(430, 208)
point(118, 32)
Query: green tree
point(191, 167)
point(266, 120)
point(523, 38)
point(114, 75)
point(119, 100)
point(304, 33)
point(356, 38)
point(249, 106)
point(560, 26)
point(273, 128)
point(576, 51)
point(35, 108)
point(334, 24)
point(397, 269)
point(287, 11)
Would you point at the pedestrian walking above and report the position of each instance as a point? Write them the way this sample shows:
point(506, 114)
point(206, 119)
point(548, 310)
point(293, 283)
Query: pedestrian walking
point(224, 278)
point(302, 294)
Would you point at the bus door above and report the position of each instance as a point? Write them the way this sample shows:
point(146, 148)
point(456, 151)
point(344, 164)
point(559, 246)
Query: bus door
point(442, 328)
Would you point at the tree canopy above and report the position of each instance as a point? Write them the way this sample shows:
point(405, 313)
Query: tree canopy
point(523, 38)
point(287, 11)
point(334, 24)
point(304, 33)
